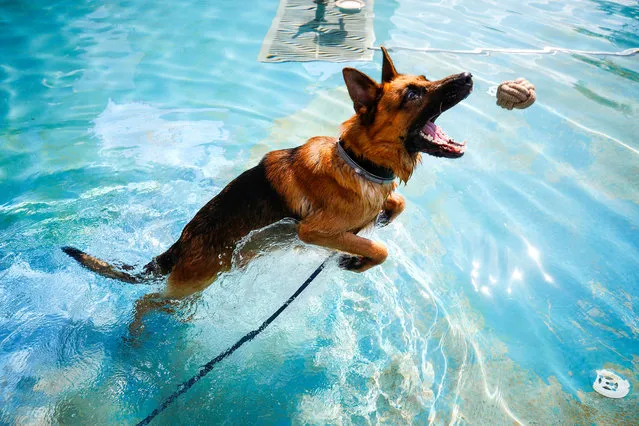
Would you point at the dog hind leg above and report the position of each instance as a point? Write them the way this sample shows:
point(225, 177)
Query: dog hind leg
point(146, 304)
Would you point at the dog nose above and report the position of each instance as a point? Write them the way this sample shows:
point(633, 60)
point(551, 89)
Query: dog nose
point(467, 77)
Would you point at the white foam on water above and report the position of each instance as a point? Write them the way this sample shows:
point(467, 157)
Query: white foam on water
point(83, 372)
point(64, 293)
point(141, 131)
point(54, 318)
point(241, 300)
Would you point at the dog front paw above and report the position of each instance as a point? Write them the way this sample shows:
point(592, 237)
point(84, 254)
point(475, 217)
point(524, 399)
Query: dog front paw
point(351, 263)
point(383, 219)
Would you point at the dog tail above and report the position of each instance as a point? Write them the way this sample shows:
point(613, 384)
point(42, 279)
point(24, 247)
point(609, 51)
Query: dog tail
point(159, 266)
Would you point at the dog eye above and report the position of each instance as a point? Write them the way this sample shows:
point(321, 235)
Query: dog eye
point(413, 93)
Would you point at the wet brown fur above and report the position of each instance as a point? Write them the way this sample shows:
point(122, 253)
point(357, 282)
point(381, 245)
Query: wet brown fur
point(310, 183)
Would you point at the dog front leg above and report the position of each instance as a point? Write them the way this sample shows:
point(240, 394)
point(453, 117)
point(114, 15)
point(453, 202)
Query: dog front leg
point(393, 207)
point(367, 253)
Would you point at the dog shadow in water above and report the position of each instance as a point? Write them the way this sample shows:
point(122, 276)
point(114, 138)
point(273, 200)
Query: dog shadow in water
point(324, 36)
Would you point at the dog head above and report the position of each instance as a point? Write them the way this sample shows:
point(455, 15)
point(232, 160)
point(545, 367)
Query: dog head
point(395, 120)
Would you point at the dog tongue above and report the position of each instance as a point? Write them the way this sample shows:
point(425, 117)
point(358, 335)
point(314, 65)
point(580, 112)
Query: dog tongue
point(435, 131)
point(440, 144)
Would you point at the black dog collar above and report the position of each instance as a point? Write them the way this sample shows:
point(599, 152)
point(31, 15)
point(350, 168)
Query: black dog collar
point(366, 169)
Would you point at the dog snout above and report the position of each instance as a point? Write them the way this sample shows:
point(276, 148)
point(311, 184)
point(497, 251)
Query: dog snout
point(461, 82)
point(465, 82)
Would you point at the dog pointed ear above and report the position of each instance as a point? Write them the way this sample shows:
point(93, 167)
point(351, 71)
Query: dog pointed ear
point(362, 89)
point(388, 69)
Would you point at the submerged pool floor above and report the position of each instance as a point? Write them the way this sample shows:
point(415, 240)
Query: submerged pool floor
point(512, 274)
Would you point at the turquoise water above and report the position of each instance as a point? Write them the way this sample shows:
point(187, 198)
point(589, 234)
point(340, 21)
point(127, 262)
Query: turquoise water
point(512, 274)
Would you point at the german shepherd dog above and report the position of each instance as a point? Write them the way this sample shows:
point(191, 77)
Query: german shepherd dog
point(333, 188)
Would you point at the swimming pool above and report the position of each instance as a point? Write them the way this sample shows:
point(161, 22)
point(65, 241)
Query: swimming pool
point(512, 274)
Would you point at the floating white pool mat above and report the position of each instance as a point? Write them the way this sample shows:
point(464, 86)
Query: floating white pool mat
point(320, 30)
point(610, 384)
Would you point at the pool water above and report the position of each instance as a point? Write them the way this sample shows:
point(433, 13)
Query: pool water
point(512, 274)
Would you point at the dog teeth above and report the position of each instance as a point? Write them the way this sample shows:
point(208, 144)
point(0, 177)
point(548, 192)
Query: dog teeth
point(427, 137)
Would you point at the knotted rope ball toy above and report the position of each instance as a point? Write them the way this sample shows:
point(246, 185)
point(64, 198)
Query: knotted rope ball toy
point(518, 94)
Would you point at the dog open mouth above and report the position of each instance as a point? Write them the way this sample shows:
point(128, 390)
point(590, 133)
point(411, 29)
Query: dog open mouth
point(426, 136)
point(438, 143)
